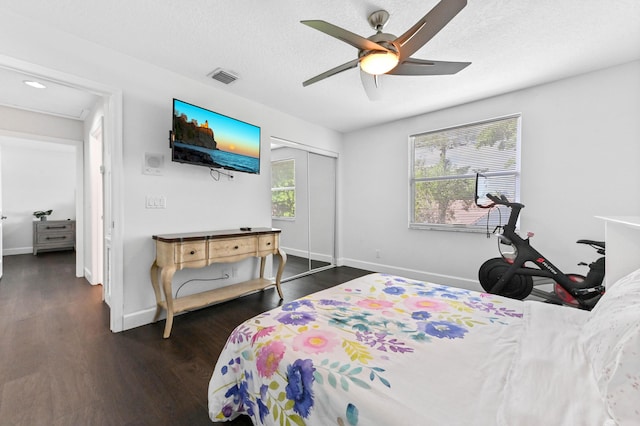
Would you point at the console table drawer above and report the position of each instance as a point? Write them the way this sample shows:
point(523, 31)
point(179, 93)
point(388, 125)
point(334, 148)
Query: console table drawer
point(267, 243)
point(232, 247)
point(190, 252)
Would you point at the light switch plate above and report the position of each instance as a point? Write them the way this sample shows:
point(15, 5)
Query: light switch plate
point(155, 202)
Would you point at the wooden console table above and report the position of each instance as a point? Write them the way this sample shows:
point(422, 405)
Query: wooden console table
point(199, 249)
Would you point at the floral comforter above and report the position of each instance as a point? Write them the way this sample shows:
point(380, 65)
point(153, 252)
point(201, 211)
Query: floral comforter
point(378, 350)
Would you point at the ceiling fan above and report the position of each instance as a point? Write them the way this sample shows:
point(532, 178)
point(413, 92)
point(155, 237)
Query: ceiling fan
point(384, 53)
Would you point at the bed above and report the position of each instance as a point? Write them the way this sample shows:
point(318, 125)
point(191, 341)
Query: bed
point(386, 350)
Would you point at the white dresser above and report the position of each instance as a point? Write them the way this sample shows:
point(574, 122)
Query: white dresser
point(54, 235)
point(622, 236)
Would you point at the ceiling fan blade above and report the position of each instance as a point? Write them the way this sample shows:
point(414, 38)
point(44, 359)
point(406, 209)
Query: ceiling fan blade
point(353, 39)
point(333, 71)
point(427, 27)
point(372, 85)
point(413, 66)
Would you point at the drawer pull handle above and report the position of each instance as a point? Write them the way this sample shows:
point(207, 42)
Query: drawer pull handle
point(57, 227)
point(192, 252)
point(56, 238)
point(269, 243)
point(236, 247)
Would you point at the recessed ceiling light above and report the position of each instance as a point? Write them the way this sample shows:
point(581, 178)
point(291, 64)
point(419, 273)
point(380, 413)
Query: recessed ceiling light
point(35, 84)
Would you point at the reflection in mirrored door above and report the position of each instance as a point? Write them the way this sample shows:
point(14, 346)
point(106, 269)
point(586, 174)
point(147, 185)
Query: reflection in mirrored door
point(322, 210)
point(303, 188)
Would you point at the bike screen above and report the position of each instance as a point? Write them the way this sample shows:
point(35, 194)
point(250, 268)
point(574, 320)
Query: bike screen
point(482, 189)
point(497, 185)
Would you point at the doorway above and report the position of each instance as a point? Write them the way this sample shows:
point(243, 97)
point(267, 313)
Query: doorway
point(40, 175)
point(308, 218)
point(110, 100)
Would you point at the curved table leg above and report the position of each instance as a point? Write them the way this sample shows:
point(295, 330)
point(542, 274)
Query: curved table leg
point(166, 275)
point(283, 260)
point(156, 289)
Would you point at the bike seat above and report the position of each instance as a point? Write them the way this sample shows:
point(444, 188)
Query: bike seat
point(592, 243)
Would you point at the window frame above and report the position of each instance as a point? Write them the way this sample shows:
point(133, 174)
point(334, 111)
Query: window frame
point(516, 173)
point(286, 188)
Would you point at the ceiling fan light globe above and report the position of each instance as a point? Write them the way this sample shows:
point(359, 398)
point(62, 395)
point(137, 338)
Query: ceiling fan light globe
point(377, 63)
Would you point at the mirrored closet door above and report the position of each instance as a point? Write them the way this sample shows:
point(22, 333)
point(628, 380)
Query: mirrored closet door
point(303, 183)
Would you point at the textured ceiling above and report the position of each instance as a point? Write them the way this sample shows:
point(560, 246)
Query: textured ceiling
point(512, 44)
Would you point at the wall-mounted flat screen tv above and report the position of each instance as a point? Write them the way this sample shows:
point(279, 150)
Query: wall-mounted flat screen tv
point(206, 138)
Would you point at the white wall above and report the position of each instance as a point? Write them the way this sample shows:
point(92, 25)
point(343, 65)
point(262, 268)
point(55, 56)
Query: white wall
point(580, 158)
point(194, 201)
point(42, 126)
point(35, 176)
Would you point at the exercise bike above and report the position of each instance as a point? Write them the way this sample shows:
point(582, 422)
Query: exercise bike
point(509, 276)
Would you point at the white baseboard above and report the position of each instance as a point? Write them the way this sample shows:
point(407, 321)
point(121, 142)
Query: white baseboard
point(414, 274)
point(19, 250)
point(89, 276)
point(145, 317)
point(140, 318)
point(321, 257)
point(294, 252)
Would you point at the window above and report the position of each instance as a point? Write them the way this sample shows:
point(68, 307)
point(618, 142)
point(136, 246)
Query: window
point(444, 164)
point(283, 189)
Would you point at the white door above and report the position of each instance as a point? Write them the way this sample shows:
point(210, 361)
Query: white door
point(96, 218)
point(107, 222)
point(2, 218)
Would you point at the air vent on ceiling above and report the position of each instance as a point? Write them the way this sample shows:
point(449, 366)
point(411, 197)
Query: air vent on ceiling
point(223, 76)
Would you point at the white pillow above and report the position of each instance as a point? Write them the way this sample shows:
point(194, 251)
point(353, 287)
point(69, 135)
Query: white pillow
point(611, 338)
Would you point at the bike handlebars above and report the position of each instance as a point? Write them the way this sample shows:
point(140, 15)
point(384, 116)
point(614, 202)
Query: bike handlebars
point(503, 200)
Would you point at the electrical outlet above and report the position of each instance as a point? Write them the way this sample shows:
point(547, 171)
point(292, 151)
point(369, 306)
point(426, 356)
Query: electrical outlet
point(234, 271)
point(377, 253)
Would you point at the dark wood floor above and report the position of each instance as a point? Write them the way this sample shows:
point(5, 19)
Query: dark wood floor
point(60, 364)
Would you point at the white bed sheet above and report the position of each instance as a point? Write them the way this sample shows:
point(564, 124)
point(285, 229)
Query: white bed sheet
point(550, 381)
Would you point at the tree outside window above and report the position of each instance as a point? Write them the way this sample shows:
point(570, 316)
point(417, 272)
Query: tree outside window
point(443, 168)
point(283, 189)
